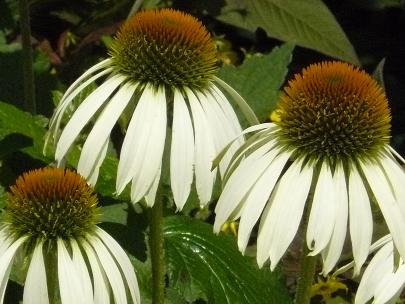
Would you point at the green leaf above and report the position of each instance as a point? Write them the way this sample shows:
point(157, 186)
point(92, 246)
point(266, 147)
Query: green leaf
point(306, 23)
point(203, 265)
point(259, 78)
point(13, 120)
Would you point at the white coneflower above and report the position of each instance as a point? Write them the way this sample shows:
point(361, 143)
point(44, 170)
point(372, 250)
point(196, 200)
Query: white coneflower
point(384, 278)
point(50, 219)
point(162, 71)
point(332, 140)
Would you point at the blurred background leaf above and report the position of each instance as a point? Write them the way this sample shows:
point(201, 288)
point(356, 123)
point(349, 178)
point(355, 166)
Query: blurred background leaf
point(259, 78)
point(306, 23)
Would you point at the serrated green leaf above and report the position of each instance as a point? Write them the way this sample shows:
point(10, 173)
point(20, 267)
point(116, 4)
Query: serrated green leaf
point(201, 264)
point(306, 23)
point(259, 78)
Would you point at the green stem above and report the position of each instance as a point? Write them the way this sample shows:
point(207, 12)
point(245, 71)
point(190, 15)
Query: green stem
point(306, 276)
point(156, 243)
point(28, 72)
point(307, 263)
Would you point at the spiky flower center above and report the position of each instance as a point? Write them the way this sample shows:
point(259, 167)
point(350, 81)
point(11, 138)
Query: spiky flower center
point(334, 111)
point(51, 203)
point(165, 47)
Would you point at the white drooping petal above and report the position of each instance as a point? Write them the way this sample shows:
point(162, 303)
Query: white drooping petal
point(93, 147)
point(70, 288)
point(93, 175)
point(101, 288)
point(204, 151)
point(82, 271)
point(392, 287)
point(6, 261)
point(280, 220)
point(257, 198)
point(229, 113)
point(246, 110)
point(388, 205)
point(332, 252)
point(323, 212)
point(240, 183)
point(396, 177)
point(182, 151)
point(35, 287)
point(124, 263)
point(380, 266)
point(151, 194)
point(111, 270)
point(142, 149)
point(83, 114)
point(66, 102)
point(221, 129)
point(360, 220)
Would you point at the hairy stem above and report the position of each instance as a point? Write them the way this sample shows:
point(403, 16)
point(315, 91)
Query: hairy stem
point(156, 244)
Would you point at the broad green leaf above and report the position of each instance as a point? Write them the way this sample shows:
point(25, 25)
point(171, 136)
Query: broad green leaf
point(259, 78)
point(203, 265)
point(15, 121)
point(306, 23)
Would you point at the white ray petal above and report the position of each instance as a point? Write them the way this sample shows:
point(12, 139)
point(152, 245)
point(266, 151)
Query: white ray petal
point(124, 262)
point(280, 222)
point(360, 220)
point(83, 273)
point(35, 287)
point(396, 177)
point(6, 262)
point(83, 114)
point(389, 207)
point(332, 252)
point(150, 196)
point(101, 287)
point(245, 108)
point(93, 175)
point(142, 149)
point(65, 102)
point(323, 212)
point(93, 69)
point(240, 183)
point(396, 154)
point(380, 265)
point(111, 270)
point(257, 198)
point(228, 111)
point(204, 150)
point(182, 151)
point(151, 156)
point(101, 130)
point(69, 280)
point(392, 288)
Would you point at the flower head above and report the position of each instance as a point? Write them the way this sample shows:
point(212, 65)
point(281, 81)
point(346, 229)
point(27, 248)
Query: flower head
point(161, 72)
point(327, 152)
point(50, 219)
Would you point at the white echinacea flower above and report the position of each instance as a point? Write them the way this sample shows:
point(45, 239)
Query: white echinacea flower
point(50, 221)
point(162, 72)
point(329, 152)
